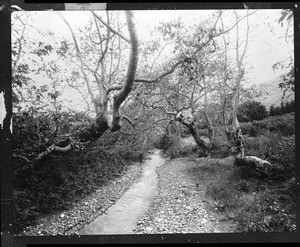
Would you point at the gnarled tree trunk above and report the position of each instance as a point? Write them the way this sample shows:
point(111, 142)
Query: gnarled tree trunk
point(106, 119)
point(202, 142)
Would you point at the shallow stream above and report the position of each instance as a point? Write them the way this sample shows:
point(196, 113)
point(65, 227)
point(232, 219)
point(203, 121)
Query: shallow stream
point(122, 217)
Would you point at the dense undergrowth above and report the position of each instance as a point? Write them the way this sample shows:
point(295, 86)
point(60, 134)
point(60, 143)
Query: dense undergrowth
point(60, 180)
point(259, 202)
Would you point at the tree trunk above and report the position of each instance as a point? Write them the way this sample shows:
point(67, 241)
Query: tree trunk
point(202, 142)
point(105, 119)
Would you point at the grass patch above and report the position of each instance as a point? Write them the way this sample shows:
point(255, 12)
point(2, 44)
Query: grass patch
point(236, 193)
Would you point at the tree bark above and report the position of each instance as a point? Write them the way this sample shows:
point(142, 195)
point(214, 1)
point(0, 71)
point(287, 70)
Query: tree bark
point(202, 142)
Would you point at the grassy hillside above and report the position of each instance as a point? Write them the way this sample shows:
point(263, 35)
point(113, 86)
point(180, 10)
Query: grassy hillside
point(271, 93)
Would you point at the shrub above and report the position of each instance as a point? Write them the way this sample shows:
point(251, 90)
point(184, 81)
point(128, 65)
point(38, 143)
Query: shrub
point(264, 216)
point(279, 150)
point(59, 180)
point(287, 107)
point(256, 204)
point(190, 150)
point(171, 146)
point(220, 149)
point(282, 125)
point(251, 110)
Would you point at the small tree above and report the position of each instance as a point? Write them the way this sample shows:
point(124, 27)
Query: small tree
point(251, 110)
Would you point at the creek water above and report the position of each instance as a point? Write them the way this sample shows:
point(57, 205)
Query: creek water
point(122, 217)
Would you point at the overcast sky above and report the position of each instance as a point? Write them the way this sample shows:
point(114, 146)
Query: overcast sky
point(265, 47)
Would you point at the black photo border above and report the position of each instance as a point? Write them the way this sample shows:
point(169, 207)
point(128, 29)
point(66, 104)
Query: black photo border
point(7, 239)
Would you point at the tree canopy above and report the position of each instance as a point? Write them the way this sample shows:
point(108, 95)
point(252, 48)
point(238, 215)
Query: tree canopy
point(194, 68)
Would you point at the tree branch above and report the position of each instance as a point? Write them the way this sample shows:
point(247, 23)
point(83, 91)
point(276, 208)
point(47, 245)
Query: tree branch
point(21, 157)
point(113, 88)
point(129, 121)
point(157, 79)
point(110, 28)
point(138, 133)
point(164, 110)
point(81, 61)
point(133, 60)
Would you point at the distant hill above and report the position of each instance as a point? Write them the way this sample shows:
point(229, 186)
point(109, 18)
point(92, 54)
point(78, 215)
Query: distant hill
point(271, 94)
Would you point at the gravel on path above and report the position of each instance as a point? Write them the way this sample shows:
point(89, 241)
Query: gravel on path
point(179, 205)
point(69, 222)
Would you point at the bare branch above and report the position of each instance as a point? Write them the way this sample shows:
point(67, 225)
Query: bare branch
point(129, 121)
point(164, 110)
point(106, 45)
point(151, 67)
point(161, 76)
point(21, 157)
point(110, 28)
point(51, 149)
point(80, 59)
point(247, 36)
point(138, 133)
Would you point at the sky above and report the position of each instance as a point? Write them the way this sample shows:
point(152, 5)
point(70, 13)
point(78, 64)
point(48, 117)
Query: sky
point(265, 47)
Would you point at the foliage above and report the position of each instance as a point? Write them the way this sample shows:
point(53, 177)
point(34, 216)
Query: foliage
point(251, 110)
point(172, 147)
point(288, 83)
point(273, 139)
point(59, 180)
point(279, 150)
point(286, 107)
point(34, 130)
point(283, 125)
point(170, 144)
point(256, 204)
point(189, 151)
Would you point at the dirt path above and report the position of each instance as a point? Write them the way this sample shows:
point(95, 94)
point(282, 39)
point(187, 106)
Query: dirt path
point(122, 217)
point(180, 205)
point(166, 198)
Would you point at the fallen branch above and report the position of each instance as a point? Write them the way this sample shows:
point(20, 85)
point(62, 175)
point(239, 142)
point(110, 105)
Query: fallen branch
point(21, 157)
point(260, 165)
point(51, 149)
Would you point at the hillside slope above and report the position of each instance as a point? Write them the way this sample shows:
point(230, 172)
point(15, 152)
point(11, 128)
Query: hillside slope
point(271, 93)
